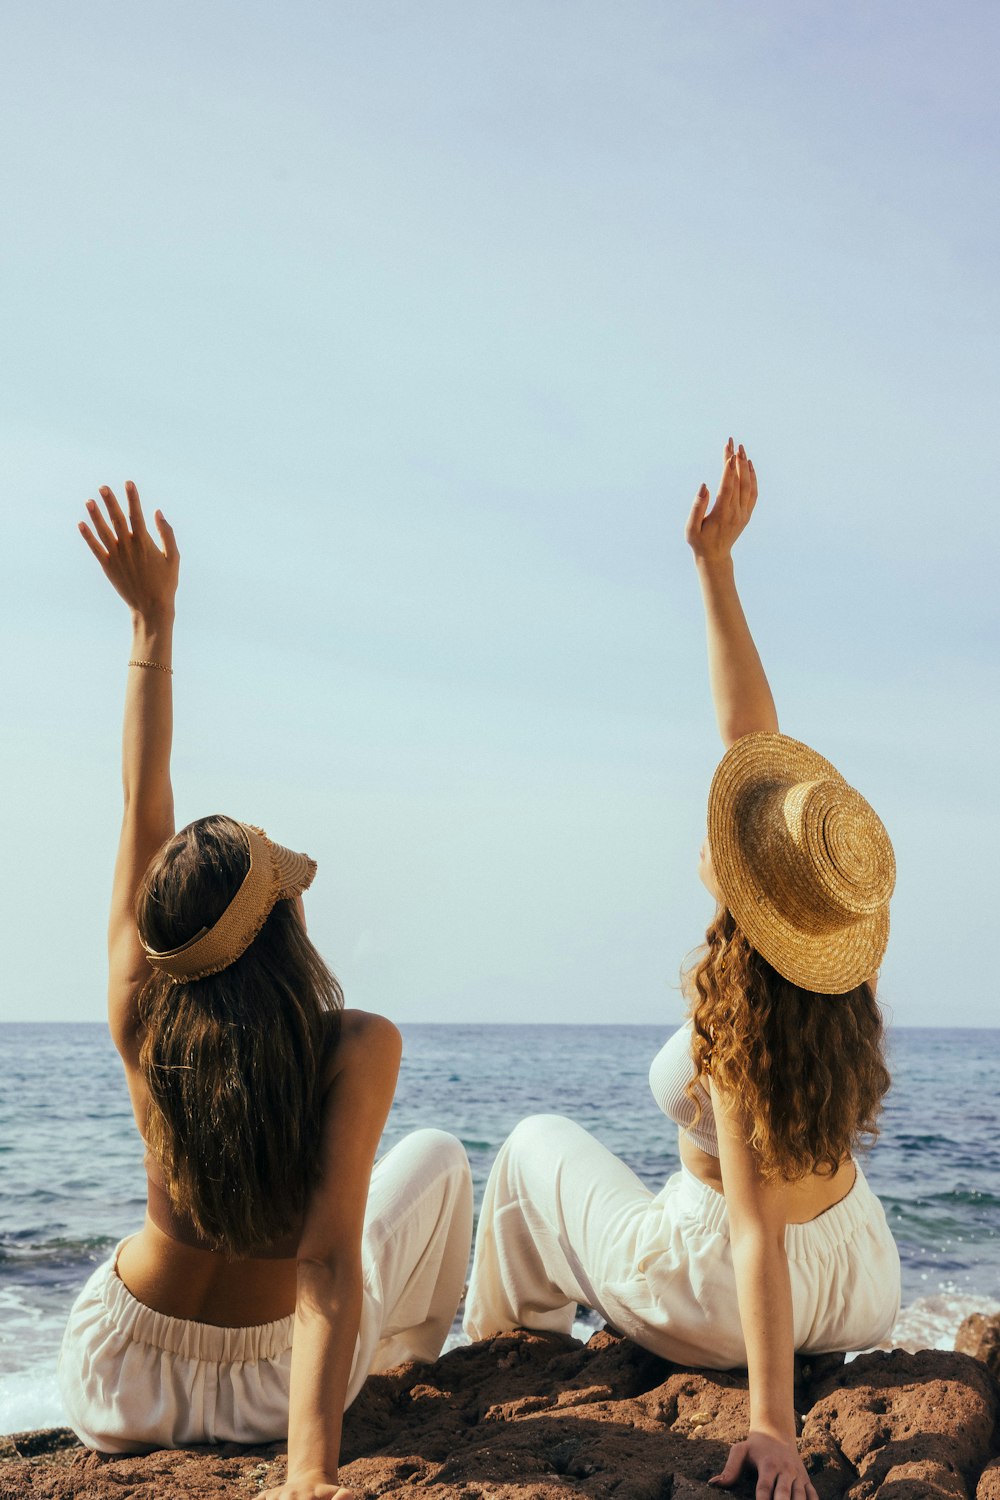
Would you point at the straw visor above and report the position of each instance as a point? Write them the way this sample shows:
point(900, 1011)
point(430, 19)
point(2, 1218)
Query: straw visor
point(275, 874)
point(803, 863)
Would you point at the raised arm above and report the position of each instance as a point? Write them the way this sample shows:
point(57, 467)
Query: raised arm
point(757, 1218)
point(145, 575)
point(740, 690)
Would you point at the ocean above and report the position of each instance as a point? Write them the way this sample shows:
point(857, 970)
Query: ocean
point(72, 1184)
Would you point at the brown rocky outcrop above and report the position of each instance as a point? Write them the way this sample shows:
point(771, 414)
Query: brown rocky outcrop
point(979, 1335)
point(988, 1487)
point(530, 1416)
point(911, 1424)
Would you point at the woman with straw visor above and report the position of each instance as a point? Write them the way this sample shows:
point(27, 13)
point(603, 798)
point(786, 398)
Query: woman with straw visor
point(275, 1267)
point(768, 1240)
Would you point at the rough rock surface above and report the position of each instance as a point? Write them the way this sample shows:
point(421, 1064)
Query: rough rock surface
point(988, 1487)
point(979, 1336)
point(530, 1416)
point(909, 1423)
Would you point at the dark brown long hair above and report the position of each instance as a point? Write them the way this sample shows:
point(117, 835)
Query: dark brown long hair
point(806, 1070)
point(234, 1062)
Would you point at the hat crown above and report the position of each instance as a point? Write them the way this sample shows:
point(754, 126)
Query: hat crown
point(838, 846)
point(803, 863)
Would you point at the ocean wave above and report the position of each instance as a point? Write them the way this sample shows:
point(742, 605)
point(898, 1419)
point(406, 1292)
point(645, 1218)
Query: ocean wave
point(932, 1322)
point(24, 1252)
point(30, 1401)
point(958, 1196)
point(32, 1260)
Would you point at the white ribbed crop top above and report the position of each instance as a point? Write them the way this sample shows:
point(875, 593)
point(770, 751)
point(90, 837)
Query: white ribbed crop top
point(669, 1075)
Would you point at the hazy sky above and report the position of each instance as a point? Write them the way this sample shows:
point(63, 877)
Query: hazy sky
point(423, 322)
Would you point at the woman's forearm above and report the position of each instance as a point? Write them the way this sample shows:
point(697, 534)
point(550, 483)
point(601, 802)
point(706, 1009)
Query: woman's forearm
point(757, 1229)
point(327, 1317)
point(147, 731)
point(740, 689)
point(764, 1291)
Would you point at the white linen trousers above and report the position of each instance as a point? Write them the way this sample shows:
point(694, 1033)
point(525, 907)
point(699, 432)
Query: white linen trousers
point(133, 1379)
point(564, 1221)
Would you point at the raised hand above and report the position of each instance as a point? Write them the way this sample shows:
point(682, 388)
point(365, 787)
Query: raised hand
point(711, 533)
point(780, 1471)
point(143, 573)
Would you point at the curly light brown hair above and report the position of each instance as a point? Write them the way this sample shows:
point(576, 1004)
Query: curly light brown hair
point(235, 1063)
point(807, 1071)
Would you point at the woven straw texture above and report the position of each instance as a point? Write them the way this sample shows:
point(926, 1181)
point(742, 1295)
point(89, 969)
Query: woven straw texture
point(803, 862)
point(275, 874)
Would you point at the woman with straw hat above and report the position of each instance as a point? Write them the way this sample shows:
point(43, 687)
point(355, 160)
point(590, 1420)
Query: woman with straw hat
point(768, 1240)
point(275, 1267)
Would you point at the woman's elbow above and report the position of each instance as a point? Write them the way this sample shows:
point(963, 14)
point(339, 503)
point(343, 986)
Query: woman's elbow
point(326, 1282)
point(753, 1237)
point(734, 727)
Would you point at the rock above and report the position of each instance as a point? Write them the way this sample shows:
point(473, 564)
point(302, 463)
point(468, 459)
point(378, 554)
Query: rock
point(889, 1411)
point(829, 1470)
point(979, 1336)
point(531, 1416)
point(923, 1479)
point(988, 1487)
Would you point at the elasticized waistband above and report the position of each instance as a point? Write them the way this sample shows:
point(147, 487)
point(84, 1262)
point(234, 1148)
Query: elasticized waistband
point(822, 1236)
point(199, 1341)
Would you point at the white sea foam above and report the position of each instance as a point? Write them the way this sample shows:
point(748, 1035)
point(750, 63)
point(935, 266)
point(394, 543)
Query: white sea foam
point(30, 1399)
point(932, 1322)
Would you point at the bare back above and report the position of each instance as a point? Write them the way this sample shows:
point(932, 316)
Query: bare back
point(804, 1200)
point(205, 1286)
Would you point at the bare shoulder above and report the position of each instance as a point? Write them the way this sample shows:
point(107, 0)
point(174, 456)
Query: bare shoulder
point(366, 1028)
point(367, 1041)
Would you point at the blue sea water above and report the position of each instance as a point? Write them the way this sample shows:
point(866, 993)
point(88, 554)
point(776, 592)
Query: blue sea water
point(72, 1184)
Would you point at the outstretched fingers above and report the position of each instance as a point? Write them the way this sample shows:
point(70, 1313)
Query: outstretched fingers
point(729, 483)
point(747, 481)
point(713, 528)
point(136, 519)
point(697, 516)
point(100, 525)
point(118, 529)
point(140, 568)
point(166, 531)
point(115, 513)
point(88, 536)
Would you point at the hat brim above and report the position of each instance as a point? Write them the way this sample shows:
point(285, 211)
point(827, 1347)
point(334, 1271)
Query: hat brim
point(293, 872)
point(828, 963)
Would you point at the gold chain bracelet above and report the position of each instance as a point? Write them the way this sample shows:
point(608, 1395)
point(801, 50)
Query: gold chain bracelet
point(135, 662)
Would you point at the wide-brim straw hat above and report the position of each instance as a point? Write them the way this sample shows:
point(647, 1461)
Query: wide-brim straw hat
point(274, 874)
point(803, 863)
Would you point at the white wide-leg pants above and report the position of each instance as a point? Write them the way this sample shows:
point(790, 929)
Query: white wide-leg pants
point(133, 1379)
point(564, 1221)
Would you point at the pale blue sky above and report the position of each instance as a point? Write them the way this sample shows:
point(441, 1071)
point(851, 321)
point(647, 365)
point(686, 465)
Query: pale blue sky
point(423, 322)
